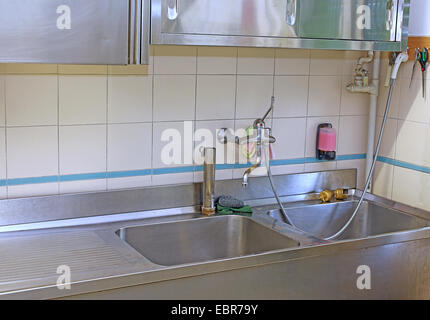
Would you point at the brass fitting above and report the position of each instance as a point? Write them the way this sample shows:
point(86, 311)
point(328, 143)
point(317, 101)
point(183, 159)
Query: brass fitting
point(327, 195)
point(340, 195)
point(208, 211)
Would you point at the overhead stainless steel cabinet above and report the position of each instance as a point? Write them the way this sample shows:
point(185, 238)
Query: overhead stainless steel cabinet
point(74, 31)
point(320, 24)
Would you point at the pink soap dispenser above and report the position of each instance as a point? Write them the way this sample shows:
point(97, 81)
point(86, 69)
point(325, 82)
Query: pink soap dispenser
point(326, 142)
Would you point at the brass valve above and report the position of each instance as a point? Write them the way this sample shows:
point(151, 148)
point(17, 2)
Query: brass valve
point(339, 195)
point(327, 195)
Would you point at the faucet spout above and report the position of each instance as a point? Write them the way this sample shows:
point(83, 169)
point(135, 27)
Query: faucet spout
point(249, 171)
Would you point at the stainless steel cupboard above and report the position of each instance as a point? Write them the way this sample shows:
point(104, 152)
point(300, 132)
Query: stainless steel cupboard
point(325, 24)
point(74, 31)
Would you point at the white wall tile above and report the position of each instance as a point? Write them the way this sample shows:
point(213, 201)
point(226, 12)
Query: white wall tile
point(242, 124)
point(206, 136)
point(384, 65)
point(290, 137)
point(383, 97)
point(311, 132)
point(291, 93)
point(83, 99)
point(416, 196)
point(413, 106)
point(383, 180)
point(128, 182)
point(2, 100)
point(326, 62)
point(288, 169)
point(292, 62)
point(240, 127)
point(405, 71)
point(130, 99)
point(175, 59)
point(174, 178)
point(3, 153)
point(324, 95)
point(134, 69)
point(123, 94)
point(82, 149)
point(258, 172)
point(216, 60)
point(388, 145)
point(253, 96)
point(176, 148)
point(413, 140)
point(131, 69)
point(353, 104)
point(32, 190)
point(82, 186)
point(32, 152)
point(31, 100)
point(256, 61)
point(216, 97)
point(320, 166)
point(350, 60)
point(3, 193)
point(353, 134)
point(219, 175)
point(174, 97)
point(129, 146)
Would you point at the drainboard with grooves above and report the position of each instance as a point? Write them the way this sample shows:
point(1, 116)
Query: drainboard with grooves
point(38, 256)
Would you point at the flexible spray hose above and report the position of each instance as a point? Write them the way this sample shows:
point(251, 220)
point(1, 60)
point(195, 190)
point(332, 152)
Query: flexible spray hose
point(375, 158)
point(269, 174)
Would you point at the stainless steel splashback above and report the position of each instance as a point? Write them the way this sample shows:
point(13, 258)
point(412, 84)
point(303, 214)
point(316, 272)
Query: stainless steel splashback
point(315, 24)
point(58, 207)
point(74, 31)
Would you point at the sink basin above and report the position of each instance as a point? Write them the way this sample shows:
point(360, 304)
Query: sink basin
point(204, 239)
point(324, 220)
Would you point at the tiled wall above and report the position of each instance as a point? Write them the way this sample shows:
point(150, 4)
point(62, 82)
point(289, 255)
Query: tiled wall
point(403, 172)
point(67, 129)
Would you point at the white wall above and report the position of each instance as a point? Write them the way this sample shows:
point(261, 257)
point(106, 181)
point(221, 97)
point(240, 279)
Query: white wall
point(86, 128)
point(419, 21)
point(404, 172)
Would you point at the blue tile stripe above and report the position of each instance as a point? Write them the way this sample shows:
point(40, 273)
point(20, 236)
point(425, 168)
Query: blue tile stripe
point(405, 165)
point(159, 171)
point(32, 180)
point(83, 176)
point(185, 169)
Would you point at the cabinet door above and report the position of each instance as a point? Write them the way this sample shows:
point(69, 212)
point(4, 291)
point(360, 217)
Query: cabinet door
point(260, 18)
point(64, 31)
point(372, 20)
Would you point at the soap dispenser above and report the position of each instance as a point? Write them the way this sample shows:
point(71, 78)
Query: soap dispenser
point(326, 142)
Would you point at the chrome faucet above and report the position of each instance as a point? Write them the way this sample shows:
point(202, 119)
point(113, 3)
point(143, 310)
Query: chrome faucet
point(208, 207)
point(261, 136)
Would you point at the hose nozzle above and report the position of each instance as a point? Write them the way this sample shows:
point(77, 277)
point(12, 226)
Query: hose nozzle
point(402, 57)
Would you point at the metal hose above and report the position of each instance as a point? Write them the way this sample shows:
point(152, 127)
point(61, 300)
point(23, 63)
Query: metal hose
point(269, 174)
point(375, 158)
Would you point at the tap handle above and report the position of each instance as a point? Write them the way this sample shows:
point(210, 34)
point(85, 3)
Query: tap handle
point(272, 103)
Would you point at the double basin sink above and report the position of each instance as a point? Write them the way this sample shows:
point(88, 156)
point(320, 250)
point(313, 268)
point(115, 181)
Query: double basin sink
point(226, 237)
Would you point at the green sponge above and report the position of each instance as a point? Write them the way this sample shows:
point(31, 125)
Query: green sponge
point(245, 210)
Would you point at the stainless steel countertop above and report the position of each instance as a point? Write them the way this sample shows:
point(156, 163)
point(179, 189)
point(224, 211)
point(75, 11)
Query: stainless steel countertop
point(100, 260)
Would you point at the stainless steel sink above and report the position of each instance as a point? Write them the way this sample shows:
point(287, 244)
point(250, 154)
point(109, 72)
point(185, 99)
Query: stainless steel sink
point(204, 239)
point(324, 220)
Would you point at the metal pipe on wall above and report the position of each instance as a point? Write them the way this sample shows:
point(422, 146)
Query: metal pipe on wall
point(361, 85)
point(373, 110)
